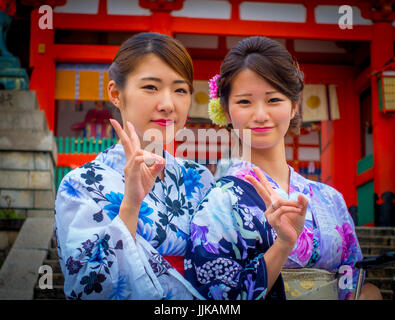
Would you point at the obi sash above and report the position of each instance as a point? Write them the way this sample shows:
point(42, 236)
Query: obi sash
point(310, 284)
point(177, 263)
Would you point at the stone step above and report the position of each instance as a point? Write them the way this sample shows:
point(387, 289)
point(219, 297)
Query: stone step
point(40, 213)
point(47, 294)
point(388, 272)
point(54, 264)
point(53, 243)
point(33, 120)
point(381, 283)
point(387, 294)
point(31, 180)
point(57, 279)
point(375, 231)
point(25, 160)
point(371, 250)
point(18, 100)
point(52, 260)
point(11, 140)
point(377, 240)
point(53, 254)
point(28, 199)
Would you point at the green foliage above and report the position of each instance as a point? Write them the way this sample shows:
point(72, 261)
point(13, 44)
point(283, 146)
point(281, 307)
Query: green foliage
point(9, 213)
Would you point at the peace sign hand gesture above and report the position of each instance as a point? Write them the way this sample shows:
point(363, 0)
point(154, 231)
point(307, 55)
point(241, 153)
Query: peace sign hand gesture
point(285, 216)
point(141, 169)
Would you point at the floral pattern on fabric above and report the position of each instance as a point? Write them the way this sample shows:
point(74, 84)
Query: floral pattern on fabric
point(99, 257)
point(232, 214)
point(229, 235)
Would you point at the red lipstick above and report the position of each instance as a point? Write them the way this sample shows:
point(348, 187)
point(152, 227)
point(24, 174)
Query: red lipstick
point(261, 129)
point(163, 122)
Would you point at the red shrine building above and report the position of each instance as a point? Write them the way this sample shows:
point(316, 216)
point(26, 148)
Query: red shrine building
point(346, 53)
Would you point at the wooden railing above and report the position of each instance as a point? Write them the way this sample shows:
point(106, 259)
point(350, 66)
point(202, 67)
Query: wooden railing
point(74, 152)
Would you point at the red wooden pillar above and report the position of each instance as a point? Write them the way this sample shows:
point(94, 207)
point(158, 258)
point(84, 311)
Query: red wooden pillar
point(383, 124)
point(340, 144)
point(41, 60)
point(346, 139)
point(161, 23)
point(327, 153)
point(340, 139)
point(161, 20)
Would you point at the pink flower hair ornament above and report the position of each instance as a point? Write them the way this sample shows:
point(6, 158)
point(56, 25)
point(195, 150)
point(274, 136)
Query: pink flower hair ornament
point(215, 110)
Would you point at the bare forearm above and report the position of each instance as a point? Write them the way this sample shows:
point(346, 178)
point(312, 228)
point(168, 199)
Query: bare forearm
point(275, 259)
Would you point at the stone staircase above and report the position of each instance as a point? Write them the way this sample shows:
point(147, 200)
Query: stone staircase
point(52, 260)
point(28, 156)
point(373, 242)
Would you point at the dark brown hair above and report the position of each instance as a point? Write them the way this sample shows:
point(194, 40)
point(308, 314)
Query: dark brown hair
point(270, 60)
point(170, 50)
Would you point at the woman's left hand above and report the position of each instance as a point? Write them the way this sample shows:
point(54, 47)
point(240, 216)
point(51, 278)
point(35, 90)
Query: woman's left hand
point(285, 216)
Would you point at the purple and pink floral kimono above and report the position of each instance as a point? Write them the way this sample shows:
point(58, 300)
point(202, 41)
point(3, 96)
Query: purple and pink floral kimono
point(229, 236)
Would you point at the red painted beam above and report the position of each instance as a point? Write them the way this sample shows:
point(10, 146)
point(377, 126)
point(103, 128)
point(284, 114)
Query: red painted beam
point(324, 58)
point(212, 26)
point(325, 73)
point(302, 57)
point(315, 2)
point(84, 53)
point(76, 21)
point(270, 29)
point(204, 69)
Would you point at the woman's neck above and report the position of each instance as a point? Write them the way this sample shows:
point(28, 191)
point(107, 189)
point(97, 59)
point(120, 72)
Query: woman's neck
point(273, 162)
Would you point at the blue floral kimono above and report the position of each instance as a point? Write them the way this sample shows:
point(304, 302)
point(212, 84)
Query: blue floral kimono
point(99, 257)
point(229, 235)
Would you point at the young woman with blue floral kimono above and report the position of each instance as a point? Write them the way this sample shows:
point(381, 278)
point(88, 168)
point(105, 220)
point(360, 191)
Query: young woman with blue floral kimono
point(262, 216)
point(120, 219)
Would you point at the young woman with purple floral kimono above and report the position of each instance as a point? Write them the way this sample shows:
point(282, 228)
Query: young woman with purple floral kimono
point(262, 216)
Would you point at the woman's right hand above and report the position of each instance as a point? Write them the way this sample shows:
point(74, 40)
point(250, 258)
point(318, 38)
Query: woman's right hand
point(285, 216)
point(139, 177)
